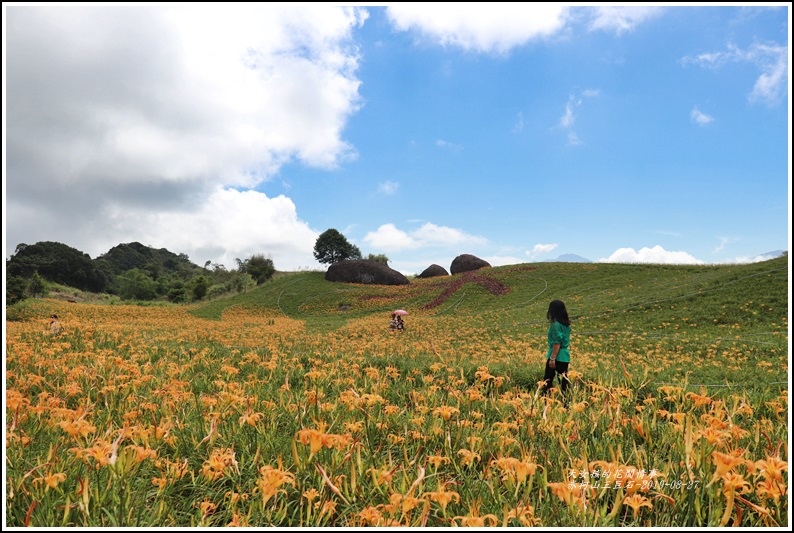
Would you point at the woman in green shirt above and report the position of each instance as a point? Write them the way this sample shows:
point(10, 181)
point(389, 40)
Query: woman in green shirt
point(559, 356)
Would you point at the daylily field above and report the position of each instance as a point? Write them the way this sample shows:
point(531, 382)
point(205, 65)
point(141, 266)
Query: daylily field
point(278, 408)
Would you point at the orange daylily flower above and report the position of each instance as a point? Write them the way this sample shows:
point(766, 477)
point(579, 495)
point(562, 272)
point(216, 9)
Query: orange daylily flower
point(771, 468)
point(370, 516)
point(271, 479)
point(515, 469)
point(636, 502)
point(468, 457)
point(525, 514)
point(312, 437)
point(443, 497)
point(446, 411)
point(771, 489)
point(571, 493)
point(724, 462)
point(699, 399)
point(53, 480)
point(438, 460)
point(733, 484)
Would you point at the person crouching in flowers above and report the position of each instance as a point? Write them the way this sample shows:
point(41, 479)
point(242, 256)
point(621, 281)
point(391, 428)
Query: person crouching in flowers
point(559, 339)
point(55, 326)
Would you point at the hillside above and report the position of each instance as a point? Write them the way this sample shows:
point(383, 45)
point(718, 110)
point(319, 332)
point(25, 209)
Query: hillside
point(755, 294)
point(647, 317)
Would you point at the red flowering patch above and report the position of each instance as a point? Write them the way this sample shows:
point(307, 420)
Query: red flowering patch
point(493, 286)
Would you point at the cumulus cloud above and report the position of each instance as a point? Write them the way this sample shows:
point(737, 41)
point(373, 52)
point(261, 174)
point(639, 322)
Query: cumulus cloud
point(479, 27)
point(159, 108)
point(389, 238)
point(656, 255)
point(229, 224)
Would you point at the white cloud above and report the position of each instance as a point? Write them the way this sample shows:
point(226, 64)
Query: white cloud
point(621, 19)
point(770, 59)
point(656, 255)
point(441, 143)
point(752, 259)
point(388, 187)
point(724, 241)
point(153, 109)
point(502, 260)
point(540, 249)
point(568, 117)
point(699, 117)
point(770, 85)
point(518, 127)
point(228, 224)
point(573, 139)
point(389, 238)
point(479, 27)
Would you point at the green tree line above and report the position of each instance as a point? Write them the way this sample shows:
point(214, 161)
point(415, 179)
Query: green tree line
point(133, 271)
point(130, 271)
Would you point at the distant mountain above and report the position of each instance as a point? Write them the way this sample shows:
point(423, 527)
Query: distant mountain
point(569, 258)
point(771, 255)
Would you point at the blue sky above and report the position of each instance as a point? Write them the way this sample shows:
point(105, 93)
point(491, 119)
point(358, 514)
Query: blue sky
point(516, 133)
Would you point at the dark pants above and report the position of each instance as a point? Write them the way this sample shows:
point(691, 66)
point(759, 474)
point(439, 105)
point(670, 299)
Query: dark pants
point(548, 376)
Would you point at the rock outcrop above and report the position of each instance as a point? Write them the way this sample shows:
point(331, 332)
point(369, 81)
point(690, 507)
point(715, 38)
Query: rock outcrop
point(433, 271)
point(467, 263)
point(364, 271)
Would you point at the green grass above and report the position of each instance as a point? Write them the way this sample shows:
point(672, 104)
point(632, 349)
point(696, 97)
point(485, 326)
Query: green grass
point(755, 293)
point(701, 310)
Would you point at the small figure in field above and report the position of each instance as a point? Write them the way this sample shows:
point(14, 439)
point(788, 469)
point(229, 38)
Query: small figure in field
point(55, 326)
point(559, 339)
point(396, 322)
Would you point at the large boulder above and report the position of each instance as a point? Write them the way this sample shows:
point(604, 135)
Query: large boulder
point(433, 271)
point(467, 263)
point(364, 271)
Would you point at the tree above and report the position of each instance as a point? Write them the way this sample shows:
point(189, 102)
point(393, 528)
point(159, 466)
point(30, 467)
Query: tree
point(380, 258)
point(136, 284)
point(36, 285)
point(259, 267)
point(16, 289)
point(332, 247)
point(241, 282)
point(199, 286)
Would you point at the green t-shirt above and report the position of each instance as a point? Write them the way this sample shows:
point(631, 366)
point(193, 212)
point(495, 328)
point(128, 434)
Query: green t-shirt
point(560, 334)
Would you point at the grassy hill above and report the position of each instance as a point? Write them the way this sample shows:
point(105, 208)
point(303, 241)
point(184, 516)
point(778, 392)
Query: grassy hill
point(752, 295)
point(653, 317)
